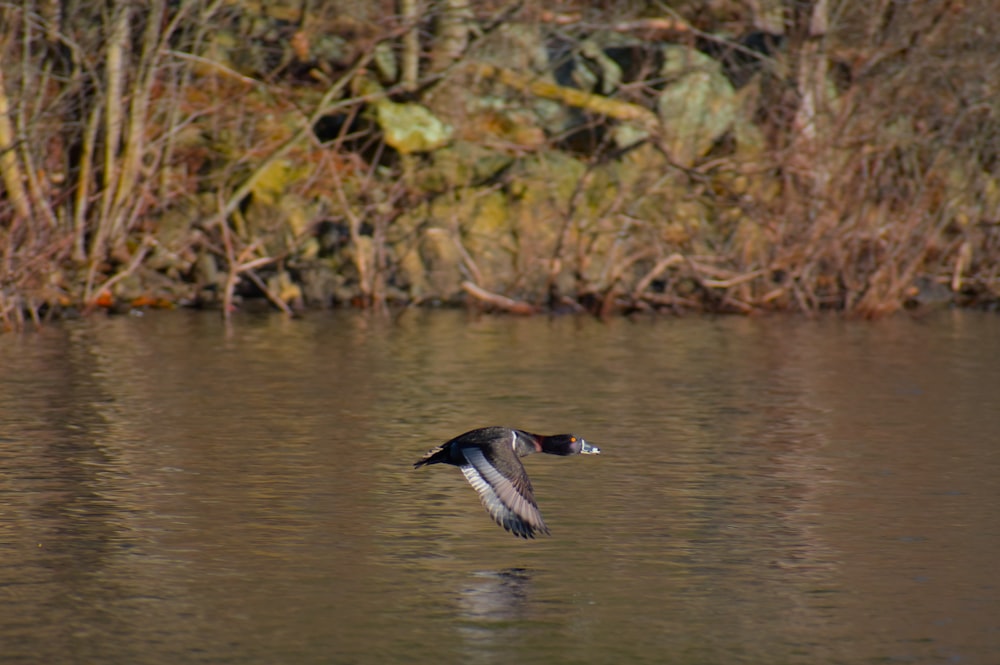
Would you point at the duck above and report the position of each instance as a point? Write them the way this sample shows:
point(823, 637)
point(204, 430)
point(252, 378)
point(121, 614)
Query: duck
point(489, 459)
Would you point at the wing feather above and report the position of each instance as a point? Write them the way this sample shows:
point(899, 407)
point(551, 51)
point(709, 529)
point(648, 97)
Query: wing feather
point(510, 504)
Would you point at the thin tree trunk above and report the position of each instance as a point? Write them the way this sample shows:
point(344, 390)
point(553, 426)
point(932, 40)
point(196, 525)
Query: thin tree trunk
point(108, 225)
point(81, 200)
point(409, 14)
point(41, 205)
point(135, 131)
point(811, 80)
point(452, 34)
point(10, 169)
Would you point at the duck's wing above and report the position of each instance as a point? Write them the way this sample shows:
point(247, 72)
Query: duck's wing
point(507, 496)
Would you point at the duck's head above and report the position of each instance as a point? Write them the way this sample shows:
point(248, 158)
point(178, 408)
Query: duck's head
point(568, 444)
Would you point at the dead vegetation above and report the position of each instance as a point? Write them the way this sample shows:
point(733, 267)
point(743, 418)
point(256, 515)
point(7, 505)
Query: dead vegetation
point(173, 156)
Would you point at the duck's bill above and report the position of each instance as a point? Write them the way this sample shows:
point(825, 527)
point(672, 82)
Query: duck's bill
point(589, 449)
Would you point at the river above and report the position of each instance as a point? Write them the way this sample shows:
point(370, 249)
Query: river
point(771, 490)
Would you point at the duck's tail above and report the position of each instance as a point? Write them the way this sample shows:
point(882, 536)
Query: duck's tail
point(436, 456)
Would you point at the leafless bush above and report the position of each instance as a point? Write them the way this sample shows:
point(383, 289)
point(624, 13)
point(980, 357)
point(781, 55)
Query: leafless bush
point(92, 113)
point(873, 187)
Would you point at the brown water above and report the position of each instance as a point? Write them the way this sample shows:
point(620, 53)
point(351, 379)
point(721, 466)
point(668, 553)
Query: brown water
point(771, 491)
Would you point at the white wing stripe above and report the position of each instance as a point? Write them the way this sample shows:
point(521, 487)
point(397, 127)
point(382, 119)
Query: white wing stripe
point(485, 479)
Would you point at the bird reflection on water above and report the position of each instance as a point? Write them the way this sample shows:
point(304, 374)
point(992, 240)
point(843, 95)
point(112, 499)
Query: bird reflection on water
point(492, 610)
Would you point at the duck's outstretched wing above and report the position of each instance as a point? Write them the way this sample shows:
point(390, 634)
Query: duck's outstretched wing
point(507, 497)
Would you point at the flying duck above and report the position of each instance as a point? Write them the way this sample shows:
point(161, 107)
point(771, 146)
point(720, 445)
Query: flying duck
point(489, 459)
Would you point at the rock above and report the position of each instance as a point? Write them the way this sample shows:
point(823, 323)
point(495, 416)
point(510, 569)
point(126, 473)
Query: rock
point(319, 282)
point(175, 240)
point(206, 269)
point(443, 262)
point(411, 128)
point(698, 105)
point(279, 224)
point(281, 285)
point(928, 292)
point(411, 274)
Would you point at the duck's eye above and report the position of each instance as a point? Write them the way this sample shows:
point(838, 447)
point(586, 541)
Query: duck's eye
point(572, 439)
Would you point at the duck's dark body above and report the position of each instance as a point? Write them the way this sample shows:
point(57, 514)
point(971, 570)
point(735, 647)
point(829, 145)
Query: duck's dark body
point(489, 458)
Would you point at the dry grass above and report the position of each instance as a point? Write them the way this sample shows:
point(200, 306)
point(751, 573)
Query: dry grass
point(869, 197)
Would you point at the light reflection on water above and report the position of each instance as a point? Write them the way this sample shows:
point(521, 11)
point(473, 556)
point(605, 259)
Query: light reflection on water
point(770, 491)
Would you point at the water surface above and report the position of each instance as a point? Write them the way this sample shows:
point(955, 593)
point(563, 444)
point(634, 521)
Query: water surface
point(771, 491)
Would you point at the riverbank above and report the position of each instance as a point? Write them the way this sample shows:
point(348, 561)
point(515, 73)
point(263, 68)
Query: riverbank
point(511, 159)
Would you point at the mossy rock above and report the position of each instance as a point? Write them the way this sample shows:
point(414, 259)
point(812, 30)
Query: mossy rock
point(411, 128)
point(442, 262)
point(280, 224)
point(176, 237)
point(698, 105)
point(411, 273)
point(461, 164)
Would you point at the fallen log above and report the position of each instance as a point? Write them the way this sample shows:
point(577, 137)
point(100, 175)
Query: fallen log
point(498, 301)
